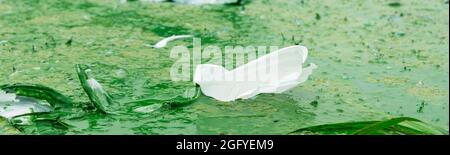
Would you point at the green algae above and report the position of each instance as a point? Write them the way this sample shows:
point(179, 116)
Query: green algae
point(377, 60)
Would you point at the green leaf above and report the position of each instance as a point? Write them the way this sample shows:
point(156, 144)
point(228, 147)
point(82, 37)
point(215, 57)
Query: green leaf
point(338, 128)
point(424, 128)
point(97, 95)
point(22, 105)
point(394, 126)
point(56, 99)
point(404, 123)
point(382, 125)
point(32, 99)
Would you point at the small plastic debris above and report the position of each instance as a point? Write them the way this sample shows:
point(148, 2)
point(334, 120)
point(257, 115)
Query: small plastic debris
point(163, 43)
point(246, 81)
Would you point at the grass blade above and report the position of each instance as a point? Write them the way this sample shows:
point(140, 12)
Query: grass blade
point(383, 125)
point(338, 128)
point(400, 125)
point(425, 128)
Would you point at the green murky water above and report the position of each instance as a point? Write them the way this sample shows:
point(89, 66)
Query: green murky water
point(377, 59)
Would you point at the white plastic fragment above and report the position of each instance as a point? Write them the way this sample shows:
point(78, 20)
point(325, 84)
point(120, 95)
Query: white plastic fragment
point(276, 72)
point(163, 42)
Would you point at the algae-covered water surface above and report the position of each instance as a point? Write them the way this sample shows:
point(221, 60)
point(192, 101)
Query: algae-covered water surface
point(378, 59)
